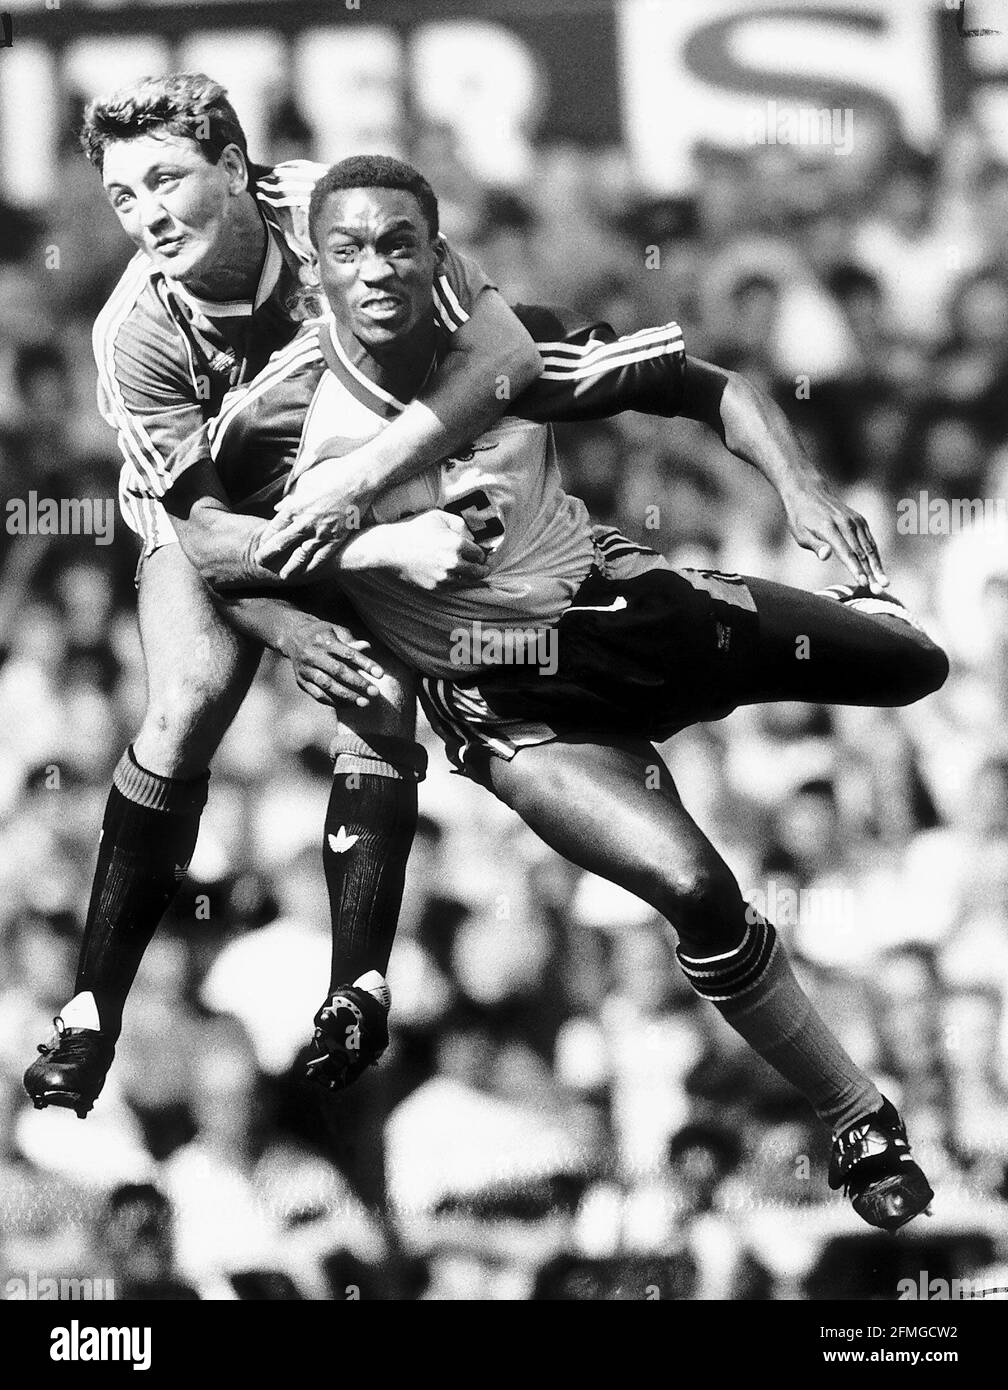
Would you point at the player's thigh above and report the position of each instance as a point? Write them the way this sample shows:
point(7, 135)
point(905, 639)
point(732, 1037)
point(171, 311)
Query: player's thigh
point(612, 808)
point(814, 648)
point(199, 669)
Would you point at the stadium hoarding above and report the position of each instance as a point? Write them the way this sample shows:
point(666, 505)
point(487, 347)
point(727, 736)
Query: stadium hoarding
point(662, 75)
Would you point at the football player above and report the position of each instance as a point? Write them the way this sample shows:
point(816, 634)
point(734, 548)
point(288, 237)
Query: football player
point(219, 282)
point(639, 650)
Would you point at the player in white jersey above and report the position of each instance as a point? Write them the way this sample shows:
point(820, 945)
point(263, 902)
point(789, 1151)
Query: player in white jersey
point(642, 649)
point(535, 538)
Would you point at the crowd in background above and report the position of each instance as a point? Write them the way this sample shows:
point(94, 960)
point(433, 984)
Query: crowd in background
point(557, 1116)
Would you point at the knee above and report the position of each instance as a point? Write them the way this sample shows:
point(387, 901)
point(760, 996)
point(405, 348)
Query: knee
point(702, 901)
point(181, 722)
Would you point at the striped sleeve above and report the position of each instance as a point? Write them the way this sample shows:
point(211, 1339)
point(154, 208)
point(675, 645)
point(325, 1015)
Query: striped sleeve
point(147, 390)
point(589, 372)
point(457, 287)
point(284, 194)
point(289, 184)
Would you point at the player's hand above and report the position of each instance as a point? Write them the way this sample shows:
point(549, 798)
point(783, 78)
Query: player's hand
point(302, 541)
point(436, 551)
point(312, 522)
point(330, 664)
point(819, 521)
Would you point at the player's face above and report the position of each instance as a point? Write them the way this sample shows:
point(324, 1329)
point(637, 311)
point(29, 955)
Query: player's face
point(172, 202)
point(377, 262)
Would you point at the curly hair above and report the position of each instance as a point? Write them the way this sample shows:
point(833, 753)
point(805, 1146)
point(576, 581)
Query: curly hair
point(183, 103)
point(374, 171)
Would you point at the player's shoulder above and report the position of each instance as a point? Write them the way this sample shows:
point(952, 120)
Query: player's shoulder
point(303, 349)
point(133, 318)
point(122, 302)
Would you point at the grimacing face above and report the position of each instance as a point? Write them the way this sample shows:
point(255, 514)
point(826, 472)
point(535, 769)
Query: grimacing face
point(172, 202)
point(376, 260)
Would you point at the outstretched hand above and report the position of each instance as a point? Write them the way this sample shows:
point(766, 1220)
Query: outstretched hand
point(820, 521)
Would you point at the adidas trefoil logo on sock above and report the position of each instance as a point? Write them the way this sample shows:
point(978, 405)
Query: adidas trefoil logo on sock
point(342, 841)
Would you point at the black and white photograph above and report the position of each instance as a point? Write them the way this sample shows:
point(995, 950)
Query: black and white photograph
point(504, 663)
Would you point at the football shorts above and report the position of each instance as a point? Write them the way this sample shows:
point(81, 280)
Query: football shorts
point(643, 650)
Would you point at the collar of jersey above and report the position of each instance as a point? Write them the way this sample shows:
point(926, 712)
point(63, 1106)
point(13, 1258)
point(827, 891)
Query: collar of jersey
point(239, 308)
point(385, 397)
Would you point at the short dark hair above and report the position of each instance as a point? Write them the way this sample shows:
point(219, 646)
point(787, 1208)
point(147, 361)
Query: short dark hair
point(182, 103)
point(374, 171)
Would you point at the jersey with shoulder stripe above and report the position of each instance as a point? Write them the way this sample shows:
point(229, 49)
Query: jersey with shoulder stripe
point(166, 358)
point(506, 484)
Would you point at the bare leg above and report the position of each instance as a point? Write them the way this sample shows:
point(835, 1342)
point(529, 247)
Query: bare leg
point(613, 809)
point(198, 673)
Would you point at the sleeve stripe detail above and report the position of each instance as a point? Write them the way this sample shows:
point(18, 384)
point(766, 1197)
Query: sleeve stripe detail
point(134, 441)
point(442, 313)
point(293, 173)
point(568, 372)
point(672, 347)
point(668, 332)
point(452, 315)
point(290, 200)
point(269, 377)
point(452, 299)
point(189, 355)
point(289, 185)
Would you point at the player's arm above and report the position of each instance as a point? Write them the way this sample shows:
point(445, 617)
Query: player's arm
point(589, 372)
point(753, 427)
point(330, 664)
point(147, 392)
point(218, 541)
point(432, 551)
point(492, 359)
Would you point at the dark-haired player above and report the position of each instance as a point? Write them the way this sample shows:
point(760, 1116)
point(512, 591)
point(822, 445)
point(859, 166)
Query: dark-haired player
point(639, 650)
point(217, 285)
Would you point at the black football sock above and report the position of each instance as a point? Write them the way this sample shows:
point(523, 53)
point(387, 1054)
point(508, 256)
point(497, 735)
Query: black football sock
point(369, 830)
point(148, 837)
point(754, 989)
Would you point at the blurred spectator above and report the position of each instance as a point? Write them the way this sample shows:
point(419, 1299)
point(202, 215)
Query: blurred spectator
point(135, 1229)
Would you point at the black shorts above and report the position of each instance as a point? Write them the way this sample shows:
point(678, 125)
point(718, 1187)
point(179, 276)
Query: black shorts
point(644, 650)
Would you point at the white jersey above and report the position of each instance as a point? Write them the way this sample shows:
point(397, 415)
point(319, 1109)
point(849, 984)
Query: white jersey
point(506, 485)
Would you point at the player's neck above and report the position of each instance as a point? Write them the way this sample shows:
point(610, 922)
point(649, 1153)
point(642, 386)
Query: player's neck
point(235, 272)
point(400, 368)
